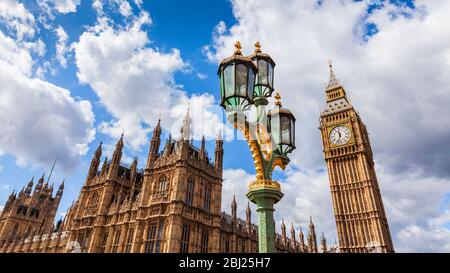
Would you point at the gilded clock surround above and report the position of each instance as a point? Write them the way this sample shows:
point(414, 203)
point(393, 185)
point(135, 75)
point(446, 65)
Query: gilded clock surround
point(351, 141)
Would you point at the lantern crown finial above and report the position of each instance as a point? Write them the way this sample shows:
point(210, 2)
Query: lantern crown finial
point(237, 48)
point(278, 99)
point(257, 47)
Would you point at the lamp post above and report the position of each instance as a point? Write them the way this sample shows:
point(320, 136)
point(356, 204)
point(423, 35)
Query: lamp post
point(247, 81)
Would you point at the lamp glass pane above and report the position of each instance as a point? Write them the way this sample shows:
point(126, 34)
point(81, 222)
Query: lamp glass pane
point(262, 72)
point(270, 74)
point(222, 87)
point(251, 83)
point(229, 80)
point(241, 80)
point(275, 128)
point(285, 130)
point(292, 132)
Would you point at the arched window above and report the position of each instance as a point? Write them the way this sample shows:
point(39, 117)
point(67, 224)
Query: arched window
point(207, 198)
point(204, 242)
point(184, 247)
point(13, 232)
point(190, 191)
point(116, 241)
point(94, 200)
point(151, 238)
point(129, 240)
point(103, 242)
point(162, 185)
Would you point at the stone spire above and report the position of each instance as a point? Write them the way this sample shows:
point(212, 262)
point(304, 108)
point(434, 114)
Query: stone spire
point(185, 130)
point(154, 146)
point(40, 183)
point(104, 167)
point(133, 169)
point(60, 191)
point(234, 208)
point(117, 156)
point(301, 237)
point(29, 187)
point(248, 215)
point(218, 160)
point(283, 230)
point(323, 243)
point(95, 163)
point(203, 148)
point(312, 239)
point(333, 82)
point(293, 234)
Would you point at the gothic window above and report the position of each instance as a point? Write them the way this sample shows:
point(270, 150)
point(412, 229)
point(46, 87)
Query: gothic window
point(103, 242)
point(151, 238)
point(27, 232)
point(93, 203)
point(22, 210)
point(227, 244)
point(129, 241)
point(83, 240)
point(184, 248)
point(162, 186)
point(116, 241)
point(190, 191)
point(94, 199)
point(204, 243)
point(207, 198)
point(113, 199)
point(42, 198)
point(34, 212)
point(13, 232)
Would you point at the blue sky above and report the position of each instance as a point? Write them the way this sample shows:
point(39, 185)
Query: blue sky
point(73, 51)
point(189, 31)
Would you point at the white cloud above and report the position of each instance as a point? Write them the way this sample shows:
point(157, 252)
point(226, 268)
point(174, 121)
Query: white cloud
point(66, 6)
point(40, 120)
point(420, 239)
point(397, 80)
point(14, 55)
point(235, 182)
point(62, 47)
point(135, 82)
point(201, 76)
point(17, 18)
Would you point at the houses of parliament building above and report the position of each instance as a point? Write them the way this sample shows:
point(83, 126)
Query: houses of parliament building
point(174, 204)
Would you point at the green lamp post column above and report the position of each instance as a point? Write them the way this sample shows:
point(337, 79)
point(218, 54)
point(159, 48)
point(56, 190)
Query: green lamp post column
point(247, 81)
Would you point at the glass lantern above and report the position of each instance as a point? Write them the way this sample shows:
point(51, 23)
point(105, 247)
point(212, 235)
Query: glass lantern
point(281, 125)
point(264, 77)
point(237, 81)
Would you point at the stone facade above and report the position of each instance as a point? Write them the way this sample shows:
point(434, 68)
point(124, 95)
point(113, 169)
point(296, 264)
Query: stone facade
point(173, 205)
point(29, 212)
point(360, 217)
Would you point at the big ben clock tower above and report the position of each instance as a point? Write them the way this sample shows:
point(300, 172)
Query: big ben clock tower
point(358, 208)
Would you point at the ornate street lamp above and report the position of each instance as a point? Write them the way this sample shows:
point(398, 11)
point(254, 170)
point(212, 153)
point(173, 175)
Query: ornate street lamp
point(245, 82)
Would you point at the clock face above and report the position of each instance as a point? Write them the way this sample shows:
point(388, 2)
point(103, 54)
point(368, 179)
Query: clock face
point(340, 135)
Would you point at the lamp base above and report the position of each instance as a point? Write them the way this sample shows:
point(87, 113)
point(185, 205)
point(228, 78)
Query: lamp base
point(265, 198)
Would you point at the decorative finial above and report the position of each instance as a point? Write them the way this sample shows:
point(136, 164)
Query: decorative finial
point(258, 47)
point(278, 99)
point(237, 48)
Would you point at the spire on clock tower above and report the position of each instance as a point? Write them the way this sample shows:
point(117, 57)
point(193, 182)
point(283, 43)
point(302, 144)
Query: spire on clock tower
point(335, 94)
point(333, 82)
